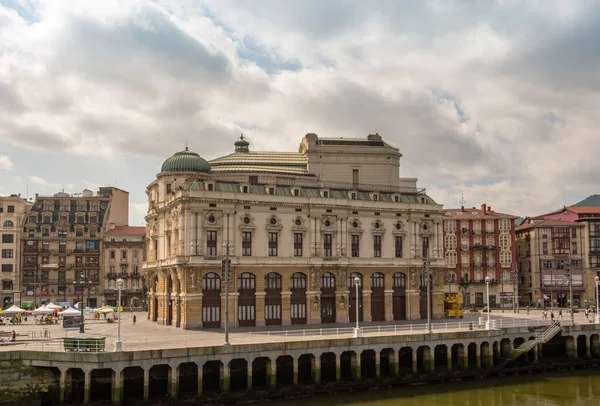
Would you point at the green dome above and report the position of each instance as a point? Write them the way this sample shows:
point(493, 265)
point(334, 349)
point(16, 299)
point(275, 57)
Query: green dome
point(185, 161)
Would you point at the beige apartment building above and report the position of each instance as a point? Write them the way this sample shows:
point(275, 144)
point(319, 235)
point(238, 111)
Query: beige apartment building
point(551, 254)
point(123, 256)
point(479, 243)
point(299, 228)
point(62, 243)
point(13, 210)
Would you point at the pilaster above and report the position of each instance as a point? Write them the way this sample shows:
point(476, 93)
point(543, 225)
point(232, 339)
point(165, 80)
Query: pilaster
point(415, 360)
point(389, 303)
point(260, 308)
point(478, 355)
point(87, 386)
point(226, 381)
point(413, 311)
point(377, 363)
point(286, 304)
point(367, 316)
point(146, 384)
point(295, 361)
point(273, 375)
point(174, 381)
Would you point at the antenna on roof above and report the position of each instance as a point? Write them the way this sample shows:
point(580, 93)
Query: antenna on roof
point(462, 200)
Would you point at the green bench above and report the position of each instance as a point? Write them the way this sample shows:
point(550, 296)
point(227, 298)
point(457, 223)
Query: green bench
point(94, 344)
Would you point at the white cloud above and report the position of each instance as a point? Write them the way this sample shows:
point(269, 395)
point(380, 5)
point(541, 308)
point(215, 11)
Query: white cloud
point(464, 92)
point(5, 163)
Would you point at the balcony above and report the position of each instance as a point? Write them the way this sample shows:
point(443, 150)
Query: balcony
point(111, 275)
point(123, 274)
point(124, 260)
point(135, 275)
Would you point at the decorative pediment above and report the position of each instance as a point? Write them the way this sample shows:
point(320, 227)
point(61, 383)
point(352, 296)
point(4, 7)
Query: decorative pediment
point(247, 222)
point(399, 228)
point(274, 223)
point(212, 219)
point(355, 226)
point(299, 224)
point(377, 227)
point(328, 223)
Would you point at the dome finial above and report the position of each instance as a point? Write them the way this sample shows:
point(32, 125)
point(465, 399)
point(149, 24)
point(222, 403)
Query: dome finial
point(241, 145)
point(186, 148)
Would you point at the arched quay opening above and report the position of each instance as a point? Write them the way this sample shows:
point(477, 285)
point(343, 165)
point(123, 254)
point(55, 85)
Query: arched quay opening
point(285, 371)
point(347, 363)
point(238, 375)
point(101, 385)
point(423, 359)
point(328, 367)
point(368, 364)
point(305, 369)
point(405, 361)
point(75, 386)
point(188, 378)
point(581, 347)
point(212, 375)
point(159, 382)
point(133, 384)
point(440, 353)
point(261, 369)
point(458, 355)
point(387, 362)
point(472, 356)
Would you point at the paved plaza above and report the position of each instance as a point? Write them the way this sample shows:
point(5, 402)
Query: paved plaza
point(148, 335)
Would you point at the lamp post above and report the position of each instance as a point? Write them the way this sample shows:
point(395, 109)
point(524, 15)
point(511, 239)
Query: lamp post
point(118, 343)
point(357, 328)
point(514, 278)
point(487, 290)
point(597, 279)
point(79, 283)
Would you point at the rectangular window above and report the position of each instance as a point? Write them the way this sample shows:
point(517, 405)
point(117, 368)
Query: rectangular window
point(8, 238)
point(355, 245)
point(425, 247)
point(168, 188)
point(573, 247)
point(62, 247)
point(545, 248)
point(273, 312)
point(7, 253)
point(272, 244)
point(246, 313)
point(297, 244)
point(398, 246)
point(134, 254)
point(246, 243)
point(353, 196)
point(211, 314)
point(11, 209)
point(327, 238)
point(211, 243)
point(123, 254)
point(91, 245)
point(112, 254)
point(7, 285)
point(298, 310)
point(7, 267)
point(573, 233)
point(377, 246)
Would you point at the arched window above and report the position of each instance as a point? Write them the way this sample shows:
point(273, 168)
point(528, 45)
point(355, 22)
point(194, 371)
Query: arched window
point(298, 281)
point(377, 280)
point(451, 277)
point(211, 281)
point(399, 280)
point(273, 281)
point(246, 281)
point(328, 281)
point(351, 280)
point(8, 223)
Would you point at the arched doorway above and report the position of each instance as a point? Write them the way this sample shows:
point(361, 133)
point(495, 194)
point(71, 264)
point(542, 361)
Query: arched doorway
point(327, 298)
point(377, 297)
point(247, 300)
point(399, 296)
point(273, 299)
point(298, 298)
point(353, 301)
point(211, 301)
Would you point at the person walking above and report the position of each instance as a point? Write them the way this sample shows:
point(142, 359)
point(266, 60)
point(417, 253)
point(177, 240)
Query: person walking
point(586, 313)
point(13, 336)
point(560, 314)
point(134, 319)
point(527, 309)
point(551, 316)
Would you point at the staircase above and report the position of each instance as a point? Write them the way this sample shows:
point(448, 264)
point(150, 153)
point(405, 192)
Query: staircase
point(541, 337)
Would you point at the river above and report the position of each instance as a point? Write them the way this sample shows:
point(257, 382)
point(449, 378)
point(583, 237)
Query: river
point(577, 388)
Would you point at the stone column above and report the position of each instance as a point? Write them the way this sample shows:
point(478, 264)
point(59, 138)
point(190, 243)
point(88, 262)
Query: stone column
point(449, 357)
point(588, 347)
point(415, 364)
point(357, 369)
point(316, 370)
point(249, 377)
point(571, 343)
point(413, 311)
point(226, 381)
point(465, 354)
point(63, 385)
point(431, 356)
point(478, 355)
point(341, 315)
point(117, 387)
point(536, 357)
point(200, 379)
point(389, 302)
point(286, 304)
point(174, 381)
point(273, 375)
point(87, 386)
point(377, 363)
point(260, 308)
point(394, 361)
point(146, 383)
point(338, 367)
point(367, 316)
point(295, 361)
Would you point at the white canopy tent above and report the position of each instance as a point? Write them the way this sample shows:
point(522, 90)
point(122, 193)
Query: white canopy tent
point(14, 309)
point(70, 312)
point(53, 306)
point(103, 310)
point(42, 310)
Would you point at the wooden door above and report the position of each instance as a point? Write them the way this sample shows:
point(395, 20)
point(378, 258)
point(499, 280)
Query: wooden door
point(478, 299)
point(399, 307)
point(327, 310)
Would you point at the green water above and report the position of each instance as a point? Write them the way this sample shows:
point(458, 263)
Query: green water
point(577, 388)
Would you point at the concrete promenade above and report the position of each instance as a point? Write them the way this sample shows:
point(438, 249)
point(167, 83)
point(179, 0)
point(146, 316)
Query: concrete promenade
point(146, 335)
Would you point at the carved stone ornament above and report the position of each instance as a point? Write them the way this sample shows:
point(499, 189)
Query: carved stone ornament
point(328, 223)
point(212, 219)
point(342, 276)
point(315, 277)
point(399, 228)
point(377, 227)
point(415, 277)
point(299, 224)
point(247, 222)
point(274, 223)
point(355, 226)
point(437, 278)
point(426, 227)
point(195, 272)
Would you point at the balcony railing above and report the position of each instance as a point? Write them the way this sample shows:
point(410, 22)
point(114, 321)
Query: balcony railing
point(123, 260)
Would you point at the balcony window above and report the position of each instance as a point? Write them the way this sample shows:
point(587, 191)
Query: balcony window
point(211, 243)
point(398, 246)
point(355, 245)
point(273, 244)
point(298, 244)
point(246, 243)
point(327, 243)
point(377, 246)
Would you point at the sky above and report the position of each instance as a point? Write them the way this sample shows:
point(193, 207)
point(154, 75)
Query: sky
point(492, 101)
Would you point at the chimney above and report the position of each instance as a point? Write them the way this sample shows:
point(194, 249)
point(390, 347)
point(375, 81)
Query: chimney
point(489, 209)
point(462, 208)
point(483, 211)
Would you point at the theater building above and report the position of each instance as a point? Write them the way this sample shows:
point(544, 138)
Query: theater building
point(299, 227)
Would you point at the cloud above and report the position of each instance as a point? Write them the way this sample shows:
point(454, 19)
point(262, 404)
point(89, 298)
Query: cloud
point(5, 163)
point(36, 180)
point(495, 100)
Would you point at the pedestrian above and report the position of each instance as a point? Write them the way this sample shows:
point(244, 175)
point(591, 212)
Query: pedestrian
point(586, 313)
point(13, 336)
point(134, 319)
point(552, 316)
point(560, 314)
point(527, 309)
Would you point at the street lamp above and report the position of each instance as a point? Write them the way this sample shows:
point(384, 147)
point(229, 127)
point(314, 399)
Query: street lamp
point(118, 344)
point(357, 328)
point(79, 283)
point(487, 289)
point(597, 279)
